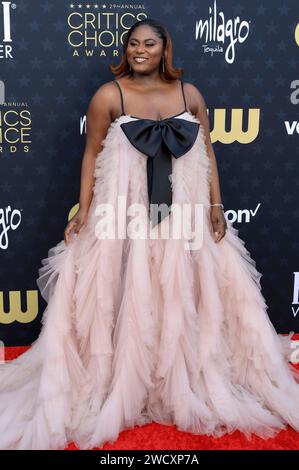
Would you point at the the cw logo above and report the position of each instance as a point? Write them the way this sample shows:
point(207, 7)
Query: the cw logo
point(236, 132)
point(297, 34)
point(15, 312)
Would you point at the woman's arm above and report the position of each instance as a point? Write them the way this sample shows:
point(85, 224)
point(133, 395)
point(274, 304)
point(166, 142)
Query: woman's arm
point(98, 120)
point(200, 110)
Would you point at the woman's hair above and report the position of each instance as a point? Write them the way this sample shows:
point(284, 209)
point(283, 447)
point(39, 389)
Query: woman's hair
point(170, 73)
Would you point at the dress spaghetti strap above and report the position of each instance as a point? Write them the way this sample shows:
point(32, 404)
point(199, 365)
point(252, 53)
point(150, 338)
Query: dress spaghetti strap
point(121, 98)
point(182, 84)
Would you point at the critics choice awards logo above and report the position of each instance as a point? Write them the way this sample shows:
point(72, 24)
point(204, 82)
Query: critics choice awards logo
point(6, 43)
point(15, 124)
point(100, 28)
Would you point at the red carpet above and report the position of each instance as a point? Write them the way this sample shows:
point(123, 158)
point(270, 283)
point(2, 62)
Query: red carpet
point(156, 437)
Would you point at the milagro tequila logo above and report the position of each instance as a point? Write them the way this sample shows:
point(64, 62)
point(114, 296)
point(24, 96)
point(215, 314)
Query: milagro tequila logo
point(218, 29)
point(9, 220)
point(5, 29)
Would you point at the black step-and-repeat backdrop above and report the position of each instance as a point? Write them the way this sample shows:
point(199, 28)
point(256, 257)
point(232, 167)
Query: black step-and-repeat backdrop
point(243, 57)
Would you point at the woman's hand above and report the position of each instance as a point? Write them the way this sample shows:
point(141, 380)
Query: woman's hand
point(219, 223)
point(75, 224)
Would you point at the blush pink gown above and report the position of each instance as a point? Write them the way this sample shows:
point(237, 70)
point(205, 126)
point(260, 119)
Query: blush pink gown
point(146, 330)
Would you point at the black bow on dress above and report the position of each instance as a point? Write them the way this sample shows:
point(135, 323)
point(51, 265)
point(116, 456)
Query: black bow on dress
point(159, 140)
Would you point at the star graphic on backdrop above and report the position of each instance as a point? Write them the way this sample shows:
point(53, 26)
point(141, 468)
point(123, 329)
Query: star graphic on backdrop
point(282, 46)
point(247, 63)
point(268, 98)
point(179, 26)
point(238, 9)
point(48, 81)
point(271, 28)
point(35, 63)
point(59, 26)
point(40, 135)
point(293, 64)
point(280, 81)
point(73, 81)
point(52, 117)
point(284, 10)
point(18, 170)
point(270, 63)
point(258, 80)
point(60, 63)
point(201, 63)
point(30, 187)
point(235, 81)
point(191, 8)
point(260, 45)
point(224, 98)
point(48, 45)
point(47, 6)
point(23, 44)
point(12, 64)
point(261, 10)
point(35, 26)
point(167, 8)
point(24, 81)
point(213, 80)
point(37, 99)
point(246, 98)
point(60, 99)
point(22, 6)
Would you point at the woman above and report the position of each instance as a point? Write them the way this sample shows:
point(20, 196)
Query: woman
point(138, 328)
point(147, 88)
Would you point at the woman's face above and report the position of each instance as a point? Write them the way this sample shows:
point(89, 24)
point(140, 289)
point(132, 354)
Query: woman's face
point(145, 49)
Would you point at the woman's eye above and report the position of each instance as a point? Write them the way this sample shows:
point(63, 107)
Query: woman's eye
point(134, 44)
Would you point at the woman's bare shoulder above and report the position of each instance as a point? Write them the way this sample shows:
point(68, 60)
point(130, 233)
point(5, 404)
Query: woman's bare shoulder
point(105, 94)
point(98, 116)
point(102, 103)
point(194, 97)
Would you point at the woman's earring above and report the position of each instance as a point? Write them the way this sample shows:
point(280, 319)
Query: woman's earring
point(163, 66)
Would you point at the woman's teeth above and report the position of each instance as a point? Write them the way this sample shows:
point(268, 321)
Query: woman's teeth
point(139, 59)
